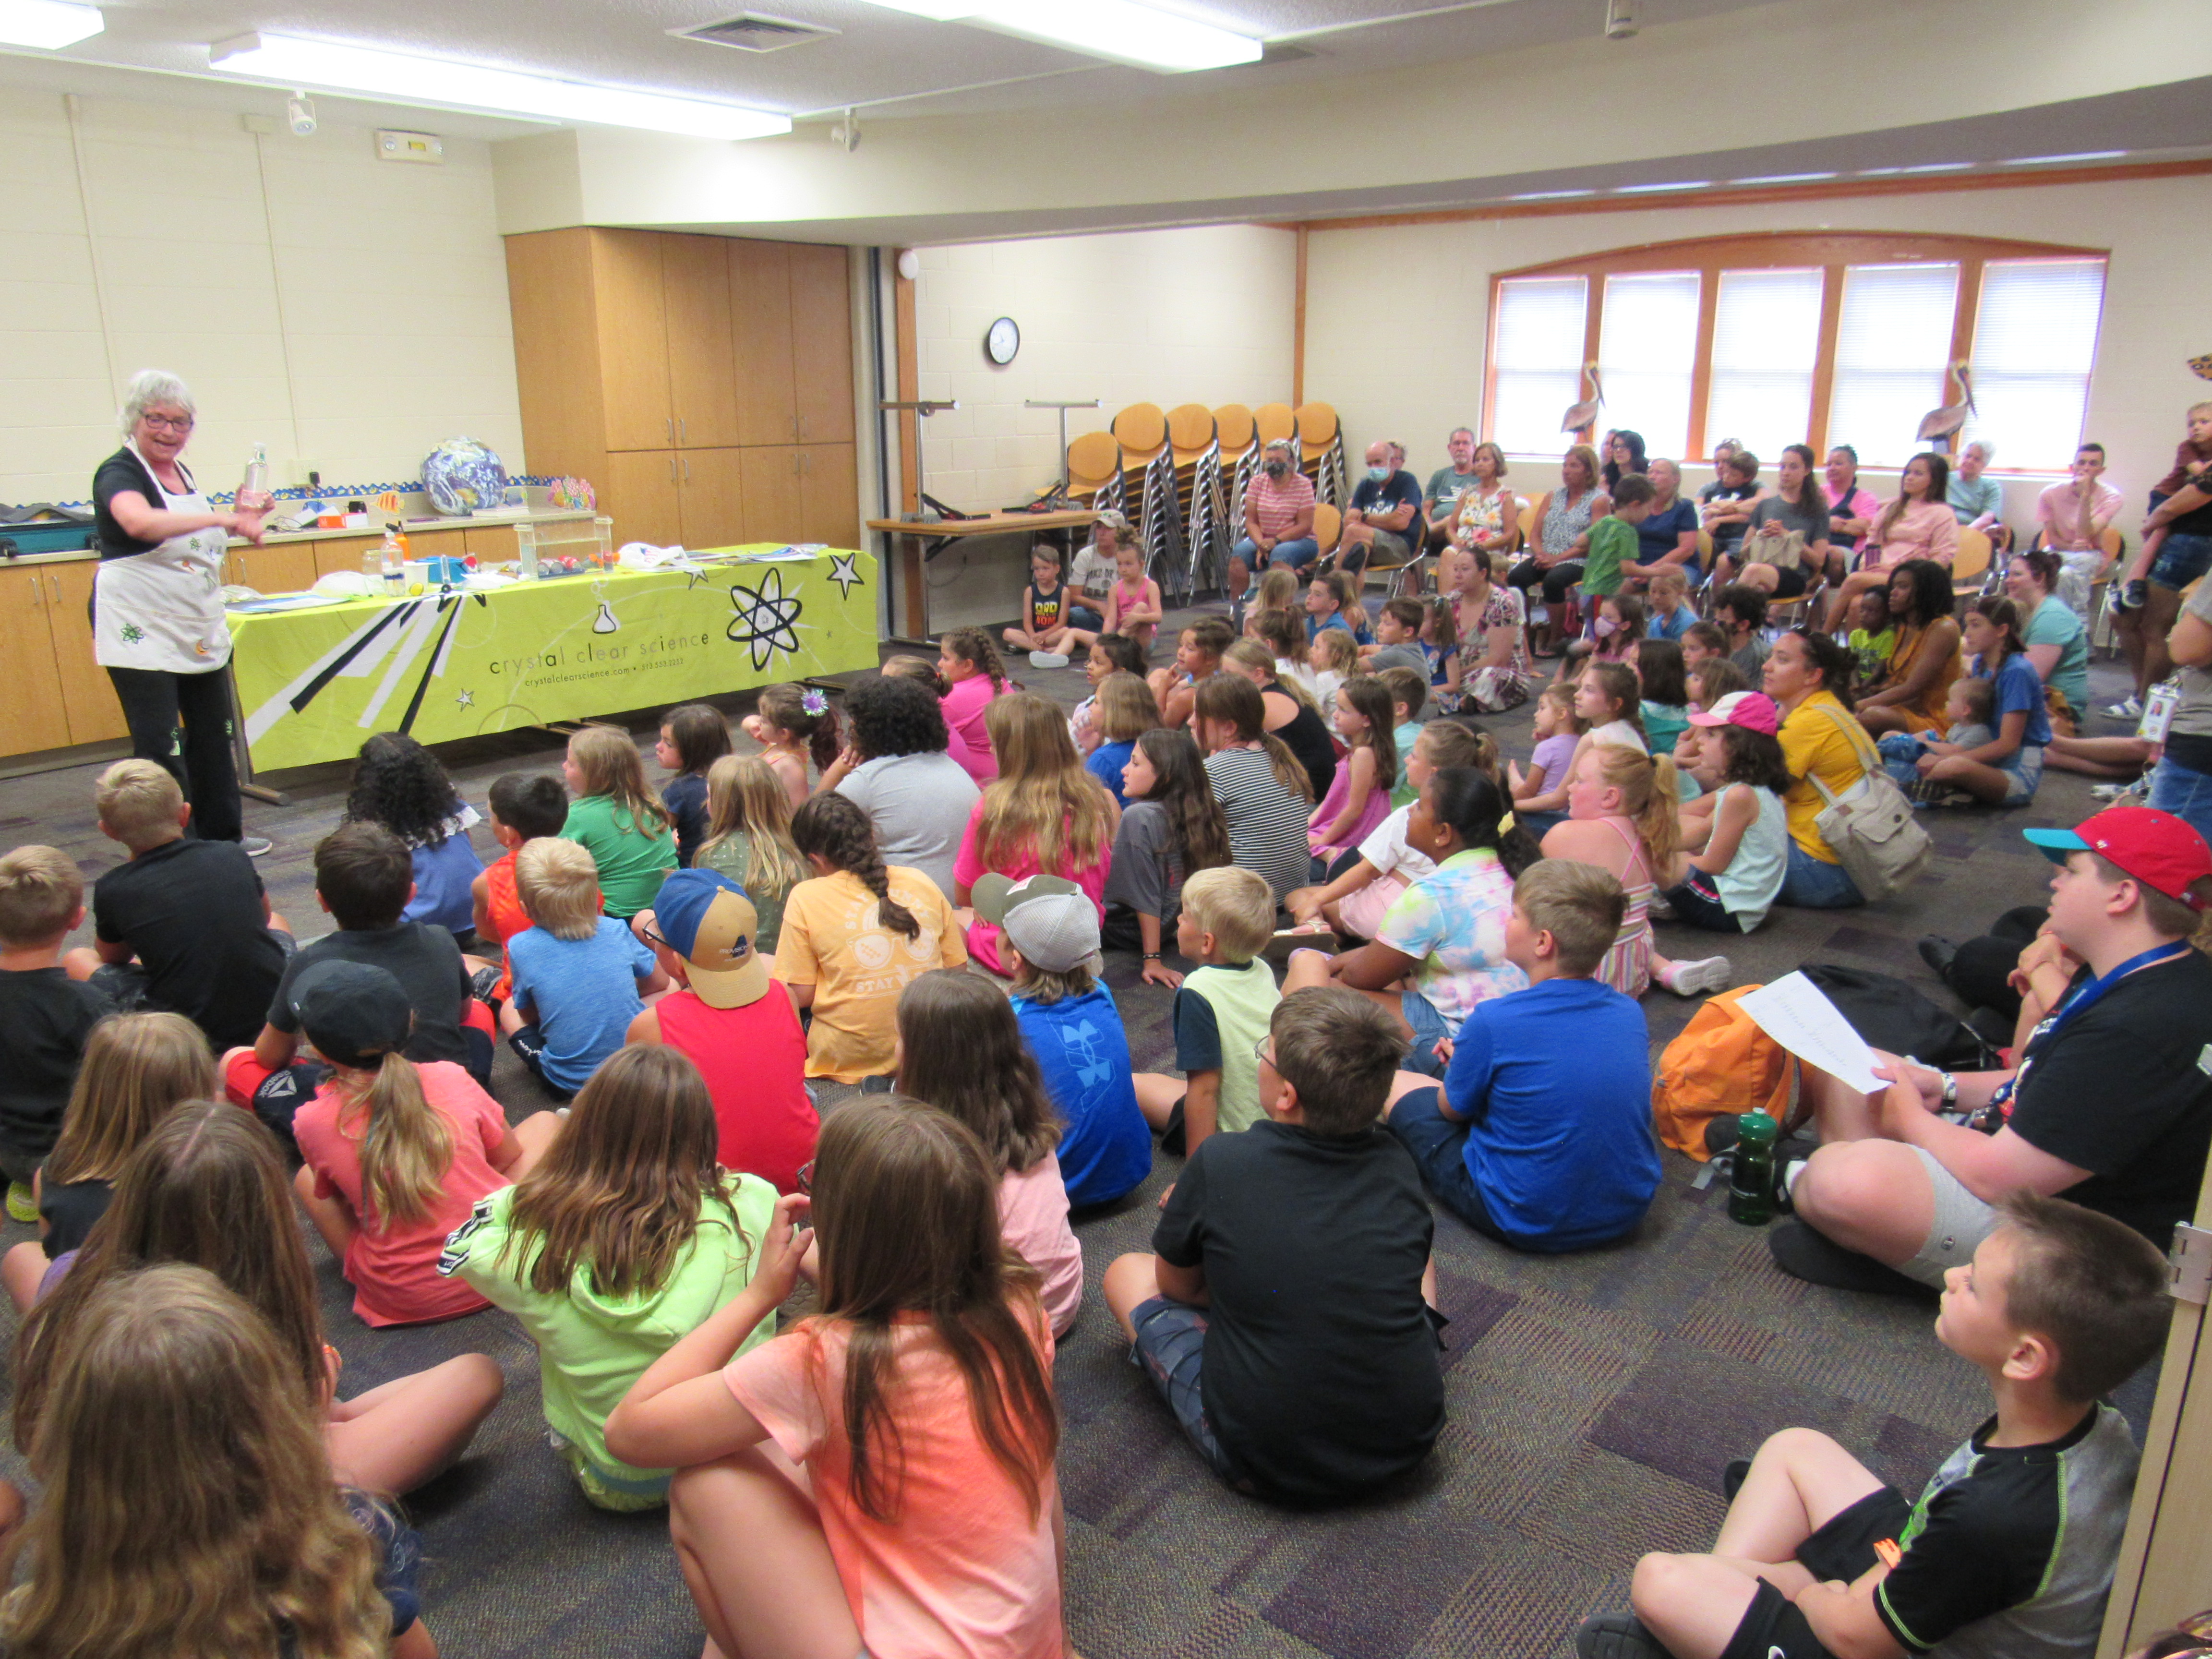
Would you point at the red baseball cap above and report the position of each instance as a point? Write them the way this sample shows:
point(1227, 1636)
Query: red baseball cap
point(2157, 849)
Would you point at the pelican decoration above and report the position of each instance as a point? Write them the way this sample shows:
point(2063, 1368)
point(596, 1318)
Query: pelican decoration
point(2202, 367)
point(1582, 415)
point(1943, 425)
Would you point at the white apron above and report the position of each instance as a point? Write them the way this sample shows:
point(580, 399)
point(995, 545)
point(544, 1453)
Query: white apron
point(162, 610)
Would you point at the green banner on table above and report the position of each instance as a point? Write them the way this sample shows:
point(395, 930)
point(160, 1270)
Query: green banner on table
point(314, 682)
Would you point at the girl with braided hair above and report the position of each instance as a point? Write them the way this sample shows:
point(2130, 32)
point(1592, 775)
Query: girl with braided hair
point(853, 937)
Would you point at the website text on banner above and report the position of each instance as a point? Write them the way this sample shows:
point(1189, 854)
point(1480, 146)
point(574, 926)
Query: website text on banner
point(314, 682)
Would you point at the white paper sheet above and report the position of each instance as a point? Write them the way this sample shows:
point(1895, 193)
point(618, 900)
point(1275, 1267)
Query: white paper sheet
point(1796, 1014)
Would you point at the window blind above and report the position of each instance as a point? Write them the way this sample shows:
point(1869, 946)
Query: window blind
point(1892, 344)
point(1538, 348)
point(1766, 335)
point(2035, 342)
point(1647, 346)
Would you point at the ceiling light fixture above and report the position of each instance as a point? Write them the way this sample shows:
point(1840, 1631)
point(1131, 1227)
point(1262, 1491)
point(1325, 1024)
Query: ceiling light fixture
point(1653, 189)
point(1548, 195)
point(2083, 156)
point(1785, 178)
point(47, 25)
point(1938, 166)
point(395, 77)
point(1120, 30)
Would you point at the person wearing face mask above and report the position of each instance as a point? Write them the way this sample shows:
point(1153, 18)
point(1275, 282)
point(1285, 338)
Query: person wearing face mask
point(1385, 517)
point(1279, 517)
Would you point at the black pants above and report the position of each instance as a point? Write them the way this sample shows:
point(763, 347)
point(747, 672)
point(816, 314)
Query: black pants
point(181, 722)
point(1981, 970)
point(1555, 582)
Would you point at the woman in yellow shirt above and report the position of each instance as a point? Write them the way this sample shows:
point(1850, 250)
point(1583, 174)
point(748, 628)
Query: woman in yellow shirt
point(1809, 677)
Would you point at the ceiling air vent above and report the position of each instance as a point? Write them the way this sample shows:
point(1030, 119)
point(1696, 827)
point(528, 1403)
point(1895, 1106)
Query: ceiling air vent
point(752, 31)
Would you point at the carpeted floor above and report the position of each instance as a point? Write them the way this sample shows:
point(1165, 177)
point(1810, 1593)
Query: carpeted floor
point(1593, 1399)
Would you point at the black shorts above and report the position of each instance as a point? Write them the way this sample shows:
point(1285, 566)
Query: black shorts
point(1772, 1627)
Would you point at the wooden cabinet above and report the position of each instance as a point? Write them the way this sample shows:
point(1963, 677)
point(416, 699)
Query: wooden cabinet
point(702, 376)
point(282, 567)
point(685, 375)
point(342, 553)
point(88, 695)
point(828, 495)
point(760, 318)
point(822, 344)
point(36, 716)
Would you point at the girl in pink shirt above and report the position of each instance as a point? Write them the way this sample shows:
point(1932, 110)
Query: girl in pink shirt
point(1133, 606)
point(968, 665)
point(961, 1050)
point(796, 1524)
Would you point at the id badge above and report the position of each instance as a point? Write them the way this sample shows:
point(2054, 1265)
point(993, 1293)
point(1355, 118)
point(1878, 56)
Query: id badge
point(2158, 710)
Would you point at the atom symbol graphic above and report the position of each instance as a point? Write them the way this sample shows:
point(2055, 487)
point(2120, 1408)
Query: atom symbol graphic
point(842, 573)
point(767, 620)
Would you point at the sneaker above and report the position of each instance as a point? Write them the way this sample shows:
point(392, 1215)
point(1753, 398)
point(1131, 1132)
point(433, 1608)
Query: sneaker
point(1721, 1132)
point(1048, 659)
point(1803, 1253)
point(255, 846)
point(1658, 909)
point(1616, 1636)
point(1733, 1476)
point(22, 1206)
point(1938, 953)
point(2135, 595)
point(1701, 978)
point(2115, 791)
point(2129, 708)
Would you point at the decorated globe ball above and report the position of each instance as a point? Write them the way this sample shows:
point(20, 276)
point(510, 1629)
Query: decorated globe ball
point(463, 476)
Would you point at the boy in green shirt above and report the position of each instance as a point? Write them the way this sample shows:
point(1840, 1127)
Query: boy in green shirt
point(1221, 1011)
point(1613, 540)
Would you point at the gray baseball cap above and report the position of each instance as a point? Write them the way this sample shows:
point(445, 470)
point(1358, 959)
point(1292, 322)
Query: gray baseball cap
point(1048, 919)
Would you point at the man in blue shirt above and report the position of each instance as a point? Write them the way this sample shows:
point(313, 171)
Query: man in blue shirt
point(1541, 1135)
point(1385, 517)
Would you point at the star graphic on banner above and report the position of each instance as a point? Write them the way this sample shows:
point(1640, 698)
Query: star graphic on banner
point(842, 573)
point(693, 576)
point(467, 699)
point(766, 618)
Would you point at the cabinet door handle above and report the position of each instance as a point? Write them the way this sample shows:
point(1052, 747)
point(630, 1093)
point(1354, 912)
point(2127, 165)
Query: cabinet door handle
point(57, 584)
point(669, 422)
point(671, 469)
point(683, 430)
point(794, 429)
point(802, 428)
point(687, 469)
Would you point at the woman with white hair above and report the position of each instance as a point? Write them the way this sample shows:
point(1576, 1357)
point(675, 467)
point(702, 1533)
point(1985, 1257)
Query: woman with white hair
point(157, 616)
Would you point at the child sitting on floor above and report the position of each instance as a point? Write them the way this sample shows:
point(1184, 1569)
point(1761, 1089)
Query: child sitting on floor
point(395, 1154)
point(1409, 694)
point(578, 976)
point(399, 784)
point(45, 1017)
point(1359, 796)
point(733, 1022)
point(1540, 1137)
point(1670, 615)
point(927, 1339)
point(1045, 626)
point(1609, 702)
point(1133, 605)
point(748, 839)
point(1440, 637)
point(1701, 640)
point(1069, 1021)
point(792, 724)
point(185, 924)
point(1622, 817)
point(2011, 1546)
point(1397, 640)
point(1125, 713)
point(1171, 827)
point(1736, 839)
point(1221, 1011)
point(1197, 653)
point(1300, 1358)
point(1110, 654)
point(1332, 657)
point(1968, 709)
point(615, 818)
point(961, 1051)
point(625, 1238)
point(1559, 728)
point(525, 807)
point(362, 877)
point(693, 736)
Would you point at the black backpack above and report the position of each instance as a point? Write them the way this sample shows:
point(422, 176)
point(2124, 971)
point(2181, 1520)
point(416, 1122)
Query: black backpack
point(1892, 1015)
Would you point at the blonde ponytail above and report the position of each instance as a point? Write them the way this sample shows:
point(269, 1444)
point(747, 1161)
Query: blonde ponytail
point(1647, 786)
point(406, 1148)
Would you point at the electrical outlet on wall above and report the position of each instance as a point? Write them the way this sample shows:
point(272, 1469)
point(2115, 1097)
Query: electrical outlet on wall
point(303, 470)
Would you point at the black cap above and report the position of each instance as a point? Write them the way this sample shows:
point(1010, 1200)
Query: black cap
point(353, 1012)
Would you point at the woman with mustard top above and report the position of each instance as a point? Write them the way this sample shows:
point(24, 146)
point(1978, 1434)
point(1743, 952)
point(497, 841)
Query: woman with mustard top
point(1918, 524)
point(1911, 693)
point(1809, 675)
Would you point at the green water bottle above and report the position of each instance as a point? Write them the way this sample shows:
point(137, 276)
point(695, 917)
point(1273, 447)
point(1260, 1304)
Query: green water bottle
point(1751, 1178)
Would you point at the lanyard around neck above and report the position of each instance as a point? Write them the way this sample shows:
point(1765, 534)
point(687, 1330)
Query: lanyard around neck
point(2090, 994)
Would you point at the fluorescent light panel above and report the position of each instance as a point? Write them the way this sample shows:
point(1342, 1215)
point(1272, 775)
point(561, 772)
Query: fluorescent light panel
point(46, 24)
point(1784, 178)
point(1654, 190)
point(2083, 155)
point(1548, 195)
point(1117, 29)
point(396, 77)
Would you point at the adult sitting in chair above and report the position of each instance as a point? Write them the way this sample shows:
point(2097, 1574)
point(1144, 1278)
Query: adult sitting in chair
point(1279, 517)
point(1384, 520)
point(1975, 499)
point(1668, 538)
point(1440, 501)
point(2072, 517)
point(2108, 1106)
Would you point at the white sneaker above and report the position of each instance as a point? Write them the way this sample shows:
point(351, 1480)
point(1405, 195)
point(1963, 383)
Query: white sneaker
point(255, 846)
point(2129, 708)
point(1696, 979)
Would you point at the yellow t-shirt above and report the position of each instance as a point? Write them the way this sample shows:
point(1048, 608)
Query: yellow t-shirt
point(1831, 746)
point(832, 940)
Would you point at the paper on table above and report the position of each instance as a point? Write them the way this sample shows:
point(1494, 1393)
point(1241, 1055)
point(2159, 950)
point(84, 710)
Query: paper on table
point(1795, 1013)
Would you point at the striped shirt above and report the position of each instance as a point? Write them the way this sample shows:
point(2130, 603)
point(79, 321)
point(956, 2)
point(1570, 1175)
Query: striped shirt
point(1267, 822)
point(1275, 506)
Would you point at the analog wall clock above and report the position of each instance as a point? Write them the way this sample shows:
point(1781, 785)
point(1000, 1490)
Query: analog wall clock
point(1002, 342)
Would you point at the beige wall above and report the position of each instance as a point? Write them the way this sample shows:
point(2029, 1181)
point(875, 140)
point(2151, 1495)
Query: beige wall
point(1422, 374)
point(349, 313)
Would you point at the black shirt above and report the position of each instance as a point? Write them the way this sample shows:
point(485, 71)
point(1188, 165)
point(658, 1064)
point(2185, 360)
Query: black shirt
point(1400, 489)
point(425, 961)
point(1308, 736)
point(44, 1018)
point(1321, 1378)
point(194, 914)
point(2123, 1092)
point(685, 798)
point(122, 473)
point(70, 1212)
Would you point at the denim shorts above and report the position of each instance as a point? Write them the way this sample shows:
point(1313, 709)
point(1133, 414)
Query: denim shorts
point(2184, 792)
point(1439, 1148)
point(1811, 883)
point(2181, 560)
point(1429, 1029)
point(1171, 1347)
point(2024, 769)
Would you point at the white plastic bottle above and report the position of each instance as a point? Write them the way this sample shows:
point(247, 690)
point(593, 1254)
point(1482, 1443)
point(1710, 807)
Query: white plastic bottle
point(393, 557)
point(254, 493)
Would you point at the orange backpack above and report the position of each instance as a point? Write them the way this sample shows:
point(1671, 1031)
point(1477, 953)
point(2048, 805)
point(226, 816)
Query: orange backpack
point(1722, 1062)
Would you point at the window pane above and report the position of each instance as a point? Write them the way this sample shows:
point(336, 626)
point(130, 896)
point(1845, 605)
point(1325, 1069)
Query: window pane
point(1891, 351)
point(1766, 332)
point(1540, 322)
point(2035, 340)
point(1646, 346)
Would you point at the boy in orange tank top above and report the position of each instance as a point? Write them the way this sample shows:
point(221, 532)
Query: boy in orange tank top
point(524, 807)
